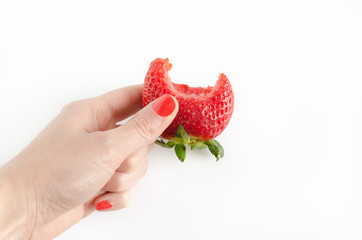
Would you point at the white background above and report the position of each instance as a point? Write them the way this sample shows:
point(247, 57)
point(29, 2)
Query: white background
point(293, 162)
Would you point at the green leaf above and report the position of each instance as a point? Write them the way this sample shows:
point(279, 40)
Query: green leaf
point(221, 149)
point(215, 151)
point(213, 148)
point(182, 134)
point(162, 143)
point(171, 144)
point(180, 151)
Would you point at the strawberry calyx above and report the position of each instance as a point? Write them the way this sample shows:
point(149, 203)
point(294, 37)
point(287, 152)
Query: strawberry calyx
point(182, 138)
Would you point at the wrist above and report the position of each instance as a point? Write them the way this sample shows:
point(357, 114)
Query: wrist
point(17, 207)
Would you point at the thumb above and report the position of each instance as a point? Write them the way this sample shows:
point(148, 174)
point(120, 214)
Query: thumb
point(147, 124)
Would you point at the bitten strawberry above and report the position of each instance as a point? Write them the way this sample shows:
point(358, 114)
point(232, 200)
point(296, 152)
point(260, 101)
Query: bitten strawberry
point(203, 112)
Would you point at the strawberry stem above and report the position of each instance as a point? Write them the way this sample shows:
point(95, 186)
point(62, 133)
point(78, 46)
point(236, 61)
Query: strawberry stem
point(183, 138)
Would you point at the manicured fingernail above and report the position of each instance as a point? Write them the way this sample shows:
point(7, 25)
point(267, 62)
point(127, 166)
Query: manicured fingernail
point(164, 106)
point(104, 205)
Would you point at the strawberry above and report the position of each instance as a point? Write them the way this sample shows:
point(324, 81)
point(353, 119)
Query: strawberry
point(203, 112)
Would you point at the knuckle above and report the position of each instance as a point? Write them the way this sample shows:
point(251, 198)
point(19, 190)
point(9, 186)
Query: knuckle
point(129, 165)
point(104, 145)
point(102, 138)
point(105, 142)
point(116, 184)
point(119, 185)
point(144, 128)
point(78, 105)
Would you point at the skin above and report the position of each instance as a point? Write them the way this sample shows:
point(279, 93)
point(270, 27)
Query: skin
point(80, 159)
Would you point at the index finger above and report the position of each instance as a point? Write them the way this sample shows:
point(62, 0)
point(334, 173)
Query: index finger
point(117, 105)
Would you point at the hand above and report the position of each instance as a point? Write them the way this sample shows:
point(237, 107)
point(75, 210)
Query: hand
point(81, 161)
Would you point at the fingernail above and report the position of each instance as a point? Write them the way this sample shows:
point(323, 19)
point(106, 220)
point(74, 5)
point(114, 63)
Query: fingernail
point(104, 205)
point(164, 106)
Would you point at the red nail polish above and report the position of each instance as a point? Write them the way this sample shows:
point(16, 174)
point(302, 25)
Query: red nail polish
point(104, 205)
point(164, 106)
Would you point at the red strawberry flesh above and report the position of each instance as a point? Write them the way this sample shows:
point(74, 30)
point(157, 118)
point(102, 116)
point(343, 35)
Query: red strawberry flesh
point(203, 112)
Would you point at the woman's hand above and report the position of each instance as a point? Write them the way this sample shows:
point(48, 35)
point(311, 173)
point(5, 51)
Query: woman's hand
point(81, 161)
